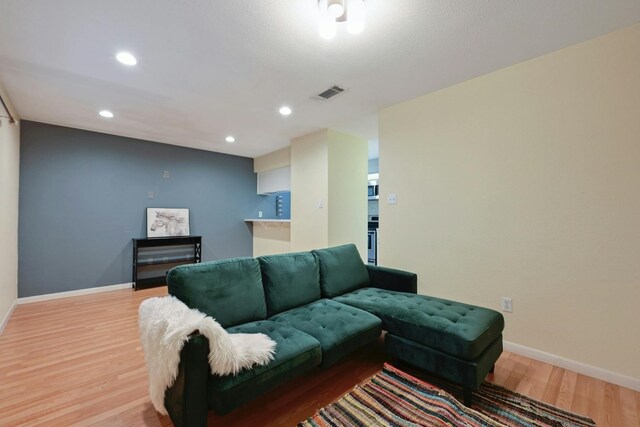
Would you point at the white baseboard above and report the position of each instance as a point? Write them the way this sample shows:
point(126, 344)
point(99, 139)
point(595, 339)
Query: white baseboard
point(6, 318)
point(96, 290)
point(573, 365)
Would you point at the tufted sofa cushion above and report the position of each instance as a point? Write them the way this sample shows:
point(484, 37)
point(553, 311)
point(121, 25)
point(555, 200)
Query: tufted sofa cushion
point(296, 352)
point(339, 328)
point(458, 329)
point(228, 290)
point(290, 280)
point(341, 270)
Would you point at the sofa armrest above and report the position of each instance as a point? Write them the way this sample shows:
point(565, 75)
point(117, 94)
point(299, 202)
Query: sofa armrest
point(186, 399)
point(392, 279)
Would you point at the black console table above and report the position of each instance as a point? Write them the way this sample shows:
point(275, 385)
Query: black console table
point(153, 257)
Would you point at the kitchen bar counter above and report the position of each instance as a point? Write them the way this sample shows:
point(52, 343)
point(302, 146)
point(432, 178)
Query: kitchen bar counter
point(265, 220)
point(270, 236)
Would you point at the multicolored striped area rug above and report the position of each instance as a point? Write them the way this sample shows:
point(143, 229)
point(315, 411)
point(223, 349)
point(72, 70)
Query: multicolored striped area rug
point(395, 398)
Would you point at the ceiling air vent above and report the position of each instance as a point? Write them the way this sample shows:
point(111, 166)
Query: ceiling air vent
point(330, 93)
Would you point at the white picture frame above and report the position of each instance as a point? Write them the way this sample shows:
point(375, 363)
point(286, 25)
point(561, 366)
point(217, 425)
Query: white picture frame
point(167, 222)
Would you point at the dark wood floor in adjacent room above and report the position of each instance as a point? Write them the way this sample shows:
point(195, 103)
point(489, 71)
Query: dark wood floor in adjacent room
point(78, 361)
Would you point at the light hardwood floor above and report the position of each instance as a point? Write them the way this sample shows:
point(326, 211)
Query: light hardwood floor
point(78, 361)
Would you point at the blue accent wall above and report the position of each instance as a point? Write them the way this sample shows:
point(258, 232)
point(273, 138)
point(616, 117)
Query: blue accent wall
point(268, 206)
point(83, 197)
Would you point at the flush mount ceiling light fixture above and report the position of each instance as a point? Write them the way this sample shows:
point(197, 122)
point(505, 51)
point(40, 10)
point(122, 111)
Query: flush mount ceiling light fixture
point(230, 139)
point(344, 12)
point(106, 114)
point(335, 8)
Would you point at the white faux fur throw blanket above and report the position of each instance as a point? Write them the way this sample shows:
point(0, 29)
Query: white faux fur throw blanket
point(165, 325)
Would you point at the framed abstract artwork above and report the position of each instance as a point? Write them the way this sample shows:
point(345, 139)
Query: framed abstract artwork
point(167, 222)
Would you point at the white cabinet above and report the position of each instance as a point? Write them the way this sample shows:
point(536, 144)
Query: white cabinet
point(274, 180)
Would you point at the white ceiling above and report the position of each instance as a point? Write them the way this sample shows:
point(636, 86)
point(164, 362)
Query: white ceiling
point(211, 68)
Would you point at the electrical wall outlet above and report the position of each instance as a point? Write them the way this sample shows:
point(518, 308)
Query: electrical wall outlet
point(151, 195)
point(165, 175)
point(392, 199)
point(259, 214)
point(507, 305)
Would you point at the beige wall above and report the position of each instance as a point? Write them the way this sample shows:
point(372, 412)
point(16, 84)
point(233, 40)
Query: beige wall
point(526, 183)
point(309, 189)
point(328, 198)
point(274, 160)
point(271, 238)
point(348, 164)
point(9, 177)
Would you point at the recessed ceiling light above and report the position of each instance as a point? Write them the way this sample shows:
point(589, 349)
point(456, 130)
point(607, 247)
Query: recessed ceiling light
point(126, 58)
point(230, 139)
point(106, 113)
point(285, 111)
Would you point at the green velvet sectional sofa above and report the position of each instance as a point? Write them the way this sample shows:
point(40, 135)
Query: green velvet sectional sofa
point(319, 306)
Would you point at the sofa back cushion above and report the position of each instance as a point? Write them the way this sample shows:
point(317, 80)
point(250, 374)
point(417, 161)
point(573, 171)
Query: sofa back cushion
point(341, 270)
point(228, 290)
point(290, 280)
